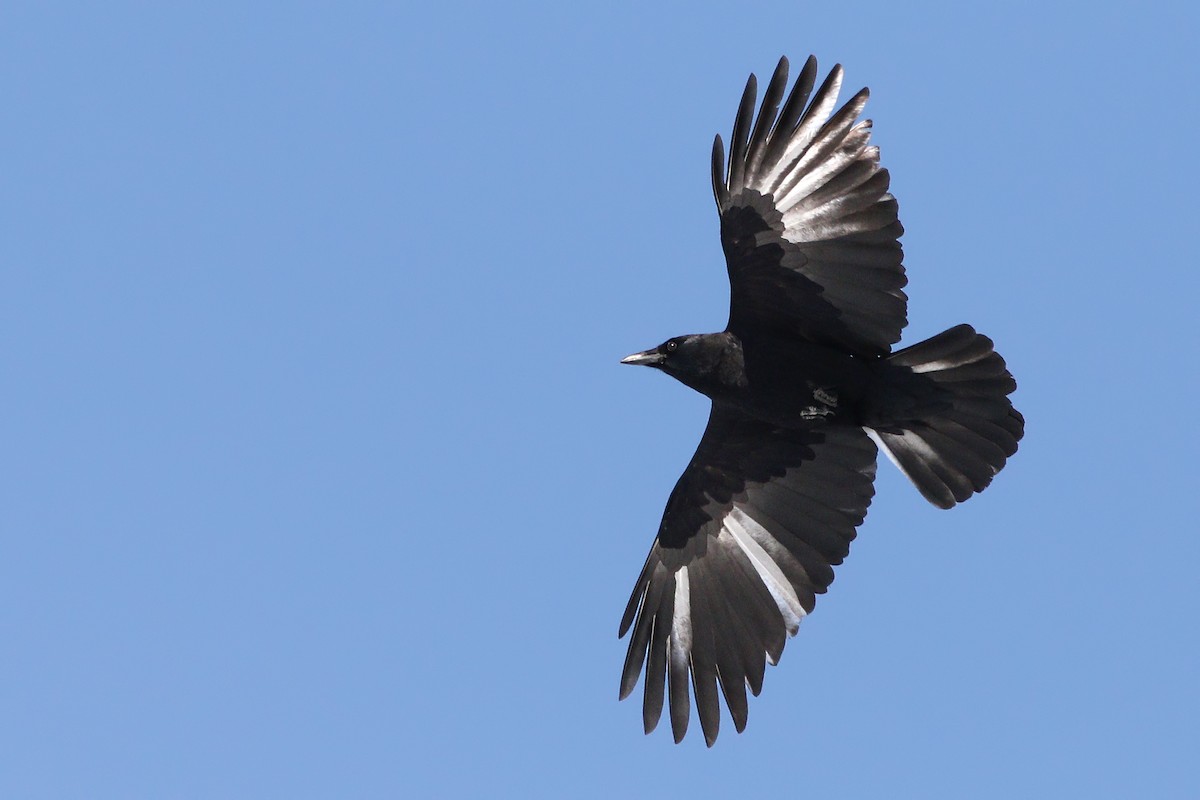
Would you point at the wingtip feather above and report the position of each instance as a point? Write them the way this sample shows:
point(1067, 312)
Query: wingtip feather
point(720, 190)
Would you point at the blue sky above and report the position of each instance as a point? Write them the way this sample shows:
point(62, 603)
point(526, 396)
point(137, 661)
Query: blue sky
point(321, 478)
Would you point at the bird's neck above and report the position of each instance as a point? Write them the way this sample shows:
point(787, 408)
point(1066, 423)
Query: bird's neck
point(723, 373)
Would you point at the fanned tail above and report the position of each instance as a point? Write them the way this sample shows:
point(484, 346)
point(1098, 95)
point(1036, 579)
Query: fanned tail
point(941, 413)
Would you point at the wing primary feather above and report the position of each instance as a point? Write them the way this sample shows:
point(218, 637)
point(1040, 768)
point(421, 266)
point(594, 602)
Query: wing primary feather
point(656, 663)
point(720, 190)
point(765, 123)
point(679, 656)
point(740, 137)
point(636, 654)
point(825, 141)
point(809, 125)
point(704, 658)
point(730, 672)
point(642, 631)
point(636, 598)
point(792, 109)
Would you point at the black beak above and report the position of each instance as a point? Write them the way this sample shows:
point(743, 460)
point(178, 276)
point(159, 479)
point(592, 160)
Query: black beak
point(647, 358)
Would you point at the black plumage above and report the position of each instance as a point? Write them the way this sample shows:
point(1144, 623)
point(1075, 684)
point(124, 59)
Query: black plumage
point(804, 388)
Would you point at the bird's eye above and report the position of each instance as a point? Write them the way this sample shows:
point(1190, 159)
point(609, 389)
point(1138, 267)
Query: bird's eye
point(672, 346)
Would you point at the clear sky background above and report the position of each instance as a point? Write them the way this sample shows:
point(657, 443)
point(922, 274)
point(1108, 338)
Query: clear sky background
point(320, 478)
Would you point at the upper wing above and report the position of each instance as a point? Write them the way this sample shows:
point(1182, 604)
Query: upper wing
point(809, 229)
point(748, 538)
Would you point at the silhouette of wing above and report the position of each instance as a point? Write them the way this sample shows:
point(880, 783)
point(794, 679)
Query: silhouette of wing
point(810, 232)
point(749, 537)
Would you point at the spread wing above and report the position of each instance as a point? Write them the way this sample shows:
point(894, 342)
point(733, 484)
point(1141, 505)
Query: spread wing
point(749, 536)
point(809, 230)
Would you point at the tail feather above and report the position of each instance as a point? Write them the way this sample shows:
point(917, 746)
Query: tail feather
point(941, 413)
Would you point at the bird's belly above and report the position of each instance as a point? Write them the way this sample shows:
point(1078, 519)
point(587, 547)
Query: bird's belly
point(804, 387)
point(801, 409)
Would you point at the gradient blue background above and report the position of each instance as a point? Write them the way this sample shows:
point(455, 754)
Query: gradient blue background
point(321, 479)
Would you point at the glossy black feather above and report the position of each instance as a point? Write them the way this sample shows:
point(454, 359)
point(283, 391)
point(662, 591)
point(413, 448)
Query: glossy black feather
point(804, 386)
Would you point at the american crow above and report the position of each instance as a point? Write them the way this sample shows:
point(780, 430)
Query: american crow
point(804, 387)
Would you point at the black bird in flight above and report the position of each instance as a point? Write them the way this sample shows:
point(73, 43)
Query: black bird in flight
point(804, 388)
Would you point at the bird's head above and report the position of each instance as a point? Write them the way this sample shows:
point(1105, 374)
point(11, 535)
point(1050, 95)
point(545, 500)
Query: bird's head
point(701, 361)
